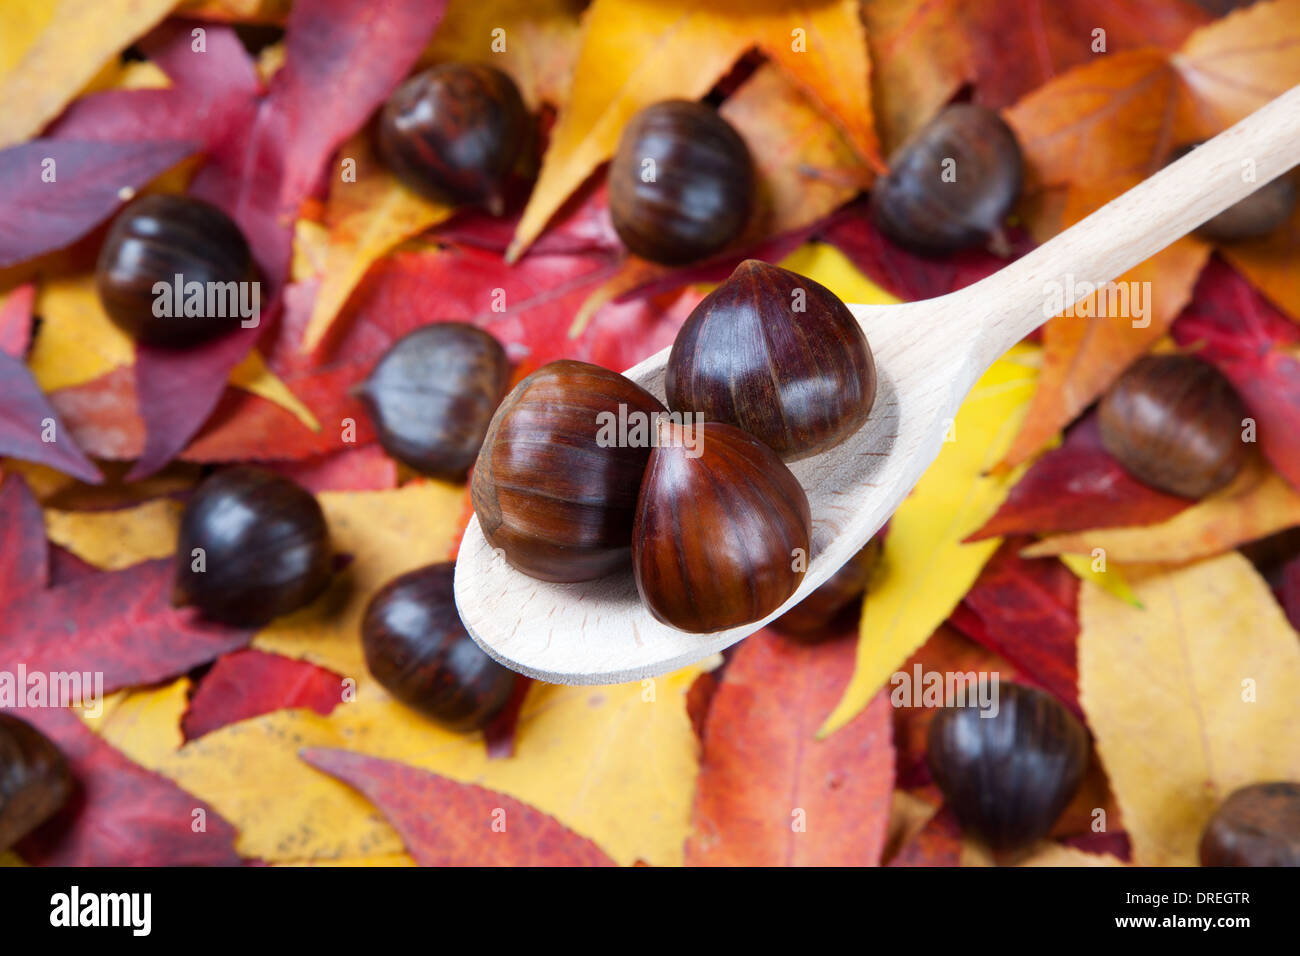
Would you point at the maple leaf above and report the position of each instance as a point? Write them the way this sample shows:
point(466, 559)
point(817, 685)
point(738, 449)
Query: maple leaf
point(247, 683)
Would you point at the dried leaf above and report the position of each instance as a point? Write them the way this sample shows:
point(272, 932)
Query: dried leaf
point(16, 320)
point(27, 421)
point(53, 49)
point(769, 792)
point(24, 557)
point(113, 540)
point(473, 826)
point(249, 683)
point(1256, 504)
point(925, 566)
point(1189, 699)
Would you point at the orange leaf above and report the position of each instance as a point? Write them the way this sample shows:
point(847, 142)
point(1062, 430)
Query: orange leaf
point(771, 794)
point(637, 52)
point(367, 216)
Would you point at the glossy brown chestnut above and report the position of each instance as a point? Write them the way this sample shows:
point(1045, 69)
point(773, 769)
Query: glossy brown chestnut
point(1174, 422)
point(432, 395)
point(1007, 777)
point(454, 132)
point(555, 486)
point(778, 355)
point(808, 621)
point(154, 240)
point(34, 780)
point(1258, 825)
point(681, 185)
point(418, 649)
point(1257, 215)
point(722, 529)
point(252, 546)
point(951, 186)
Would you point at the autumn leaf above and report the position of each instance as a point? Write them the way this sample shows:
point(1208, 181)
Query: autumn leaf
point(473, 826)
point(925, 566)
point(636, 52)
point(1078, 486)
point(55, 191)
point(122, 815)
point(24, 561)
point(30, 428)
point(249, 683)
point(119, 623)
point(367, 216)
point(769, 792)
point(51, 50)
point(1256, 504)
point(1173, 692)
point(117, 539)
point(16, 320)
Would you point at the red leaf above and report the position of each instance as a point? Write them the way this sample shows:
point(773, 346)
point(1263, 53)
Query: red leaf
point(1290, 591)
point(699, 698)
point(24, 553)
point(16, 321)
point(67, 568)
point(445, 823)
point(121, 814)
point(1116, 843)
point(90, 181)
point(24, 411)
point(1241, 334)
point(1079, 486)
point(1027, 611)
point(905, 274)
point(353, 469)
point(120, 624)
point(763, 771)
point(248, 683)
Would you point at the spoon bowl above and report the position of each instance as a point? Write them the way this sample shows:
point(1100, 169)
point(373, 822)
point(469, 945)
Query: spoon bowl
point(928, 355)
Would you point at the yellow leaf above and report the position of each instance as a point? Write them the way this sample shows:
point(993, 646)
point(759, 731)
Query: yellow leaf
point(832, 268)
point(1048, 853)
point(609, 762)
point(387, 533)
point(238, 11)
point(366, 218)
point(77, 341)
point(379, 859)
point(49, 51)
point(638, 52)
point(1258, 503)
point(113, 540)
point(925, 567)
point(144, 724)
point(1110, 580)
point(10, 858)
point(1189, 699)
point(252, 375)
point(539, 46)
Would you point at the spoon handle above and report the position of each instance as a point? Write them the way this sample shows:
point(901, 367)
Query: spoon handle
point(1132, 227)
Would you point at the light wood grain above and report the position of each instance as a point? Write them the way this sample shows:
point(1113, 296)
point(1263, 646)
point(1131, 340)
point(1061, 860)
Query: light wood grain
point(928, 354)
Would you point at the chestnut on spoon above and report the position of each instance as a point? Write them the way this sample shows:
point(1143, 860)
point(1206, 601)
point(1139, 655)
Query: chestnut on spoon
point(928, 355)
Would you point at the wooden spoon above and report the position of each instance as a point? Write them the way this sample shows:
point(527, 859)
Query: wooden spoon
point(928, 355)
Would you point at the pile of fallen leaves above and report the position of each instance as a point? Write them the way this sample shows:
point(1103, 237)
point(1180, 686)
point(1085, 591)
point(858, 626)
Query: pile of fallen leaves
point(1025, 550)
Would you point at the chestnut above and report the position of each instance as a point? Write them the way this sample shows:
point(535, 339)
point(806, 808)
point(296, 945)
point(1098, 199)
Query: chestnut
point(1008, 776)
point(1257, 215)
point(682, 183)
point(952, 184)
point(454, 132)
point(418, 649)
point(723, 528)
point(1258, 825)
point(808, 621)
point(555, 485)
point(252, 546)
point(1174, 423)
point(34, 779)
point(778, 355)
point(432, 394)
point(177, 241)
